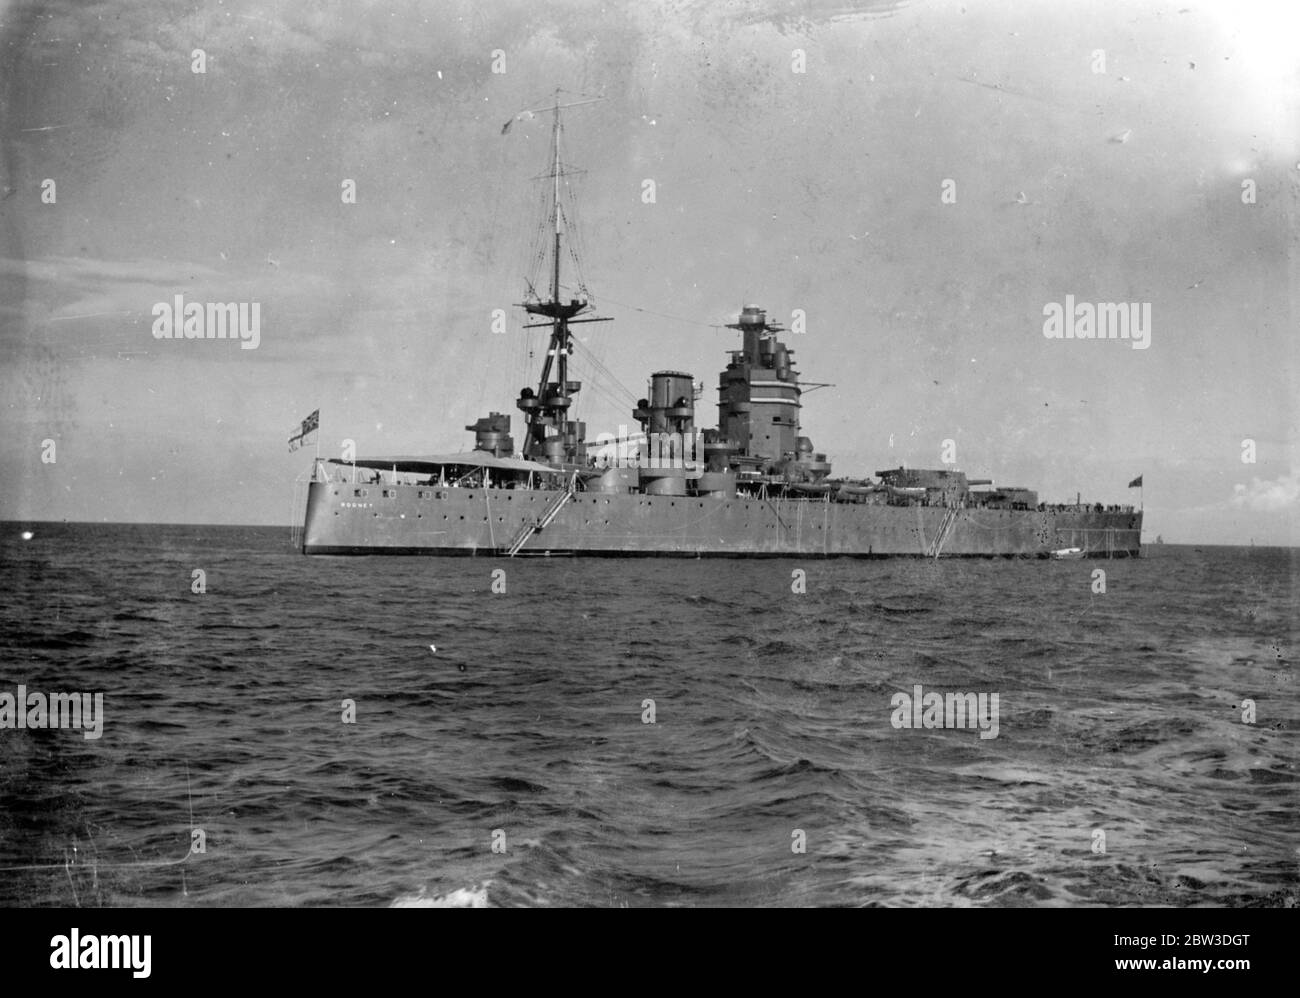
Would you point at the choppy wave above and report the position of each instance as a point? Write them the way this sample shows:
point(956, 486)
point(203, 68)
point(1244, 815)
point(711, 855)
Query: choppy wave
point(502, 750)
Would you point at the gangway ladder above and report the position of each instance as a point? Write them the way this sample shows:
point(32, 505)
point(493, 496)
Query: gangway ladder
point(298, 505)
point(530, 528)
point(945, 530)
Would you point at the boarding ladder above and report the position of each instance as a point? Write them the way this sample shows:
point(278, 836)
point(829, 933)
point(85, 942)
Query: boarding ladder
point(945, 530)
point(531, 527)
point(298, 504)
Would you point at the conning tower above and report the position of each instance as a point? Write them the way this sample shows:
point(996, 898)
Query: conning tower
point(758, 407)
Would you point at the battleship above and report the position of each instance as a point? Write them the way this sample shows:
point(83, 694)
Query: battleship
point(752, 486)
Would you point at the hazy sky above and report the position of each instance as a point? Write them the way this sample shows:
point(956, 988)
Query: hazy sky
point(821, 191)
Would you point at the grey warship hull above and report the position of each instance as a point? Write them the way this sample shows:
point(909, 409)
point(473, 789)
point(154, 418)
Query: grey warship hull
point(414, 520)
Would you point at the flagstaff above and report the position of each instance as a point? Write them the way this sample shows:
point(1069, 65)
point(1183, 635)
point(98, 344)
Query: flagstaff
point(1137, 484)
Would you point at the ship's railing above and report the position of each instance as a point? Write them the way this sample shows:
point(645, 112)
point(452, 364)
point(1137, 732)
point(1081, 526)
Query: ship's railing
point(760, 491)
point(344, 473)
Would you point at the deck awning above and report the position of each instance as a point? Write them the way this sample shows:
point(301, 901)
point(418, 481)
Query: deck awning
point(432, 463)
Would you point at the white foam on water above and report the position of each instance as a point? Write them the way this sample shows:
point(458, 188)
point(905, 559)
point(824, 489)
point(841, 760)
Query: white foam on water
point(463, 897)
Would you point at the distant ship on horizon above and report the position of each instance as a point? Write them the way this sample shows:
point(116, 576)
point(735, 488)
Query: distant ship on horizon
point(753, 486)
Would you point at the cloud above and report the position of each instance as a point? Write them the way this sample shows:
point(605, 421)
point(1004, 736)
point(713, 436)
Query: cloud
point(245, 37)
point(95, 272)
point(1268, 497)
